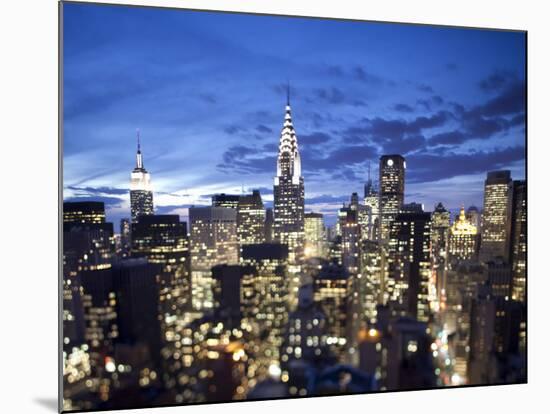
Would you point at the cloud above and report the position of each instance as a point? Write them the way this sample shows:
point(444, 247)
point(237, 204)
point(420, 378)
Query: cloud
point(497, 81)
point(448, 138)
point(313, 138)
point(109, 201)
point(428, 167)
point(264, 129)
point(400, 107)
point(99, 190)
point(425, 88)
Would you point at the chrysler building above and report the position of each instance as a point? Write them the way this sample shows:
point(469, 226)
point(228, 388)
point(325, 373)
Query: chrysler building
point(288, 191)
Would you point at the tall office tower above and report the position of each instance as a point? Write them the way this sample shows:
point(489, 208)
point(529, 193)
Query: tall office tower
point(288, 192)
point(122, 316)
point(269, 225)
point(86, 212)
point(462, 240)
point(265, 302)
point(371, 275)
point(251, 219)
point(474, 217)
point(137, 308)
point(372, 203)
point(499, 278)
point(315, 236)
point(141, 191)
point(409, 265)
point(351, 241)
point(331, 289)
point(392, 190)
point(125, 238)
point(213, 241)
point(88, 244)
point(363, 215)
point(496, 218)
point(519, 240)
point(441, 220)
point(163, 240)
point(226, 200)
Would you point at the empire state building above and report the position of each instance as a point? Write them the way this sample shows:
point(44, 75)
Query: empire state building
point(141, 192)
point(288, 191)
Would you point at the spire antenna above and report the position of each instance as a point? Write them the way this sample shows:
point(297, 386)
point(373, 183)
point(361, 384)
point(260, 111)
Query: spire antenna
point(138, 140)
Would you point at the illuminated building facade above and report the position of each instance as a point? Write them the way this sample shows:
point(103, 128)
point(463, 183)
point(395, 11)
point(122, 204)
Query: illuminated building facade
point(441, 220)
point(519, 241)
point(89, 212)
point(88, 245)
point(288, 192)
point(371, 279)
point(125, 238)
point(392, 190)
point(462, 239)
point(372, 201)
point(315, 239)
point(141, 191)
point(226, 200)
point(409, 264)
point(331, 290)
point(213, 241)
point(163, 240)
point(265, 289)
point(251, 219)
point(496, 218)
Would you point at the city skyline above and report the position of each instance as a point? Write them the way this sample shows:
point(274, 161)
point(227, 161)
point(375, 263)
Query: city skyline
point(225, 281)
point(460, 128)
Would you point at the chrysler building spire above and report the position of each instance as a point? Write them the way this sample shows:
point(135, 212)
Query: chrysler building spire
point(288, 190)
point(288, 161)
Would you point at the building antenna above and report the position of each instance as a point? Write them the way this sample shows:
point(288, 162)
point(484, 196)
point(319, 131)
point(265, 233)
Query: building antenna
point(138, 140)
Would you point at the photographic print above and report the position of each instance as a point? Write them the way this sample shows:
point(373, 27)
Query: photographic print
point(261, 206)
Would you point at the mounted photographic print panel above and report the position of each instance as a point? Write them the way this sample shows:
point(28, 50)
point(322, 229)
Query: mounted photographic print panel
point(258, 207)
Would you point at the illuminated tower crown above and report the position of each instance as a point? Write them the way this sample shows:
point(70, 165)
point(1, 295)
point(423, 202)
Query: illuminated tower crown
point(288, 161)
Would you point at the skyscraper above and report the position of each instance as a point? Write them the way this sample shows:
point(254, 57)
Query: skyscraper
point(441, 220)
point(288, 191)
point(141, 191)
point(225, 200)
point(496, 217)
point(251, 219)
point(392, 190)
point(372, 203)
point(315, 240)
point(462, 239)
point(163, 240)
point(213, 241)
point(519, 240)
point(265, 301)
point(410, 264)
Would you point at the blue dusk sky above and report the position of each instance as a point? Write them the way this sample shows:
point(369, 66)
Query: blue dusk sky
point(207, 91)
